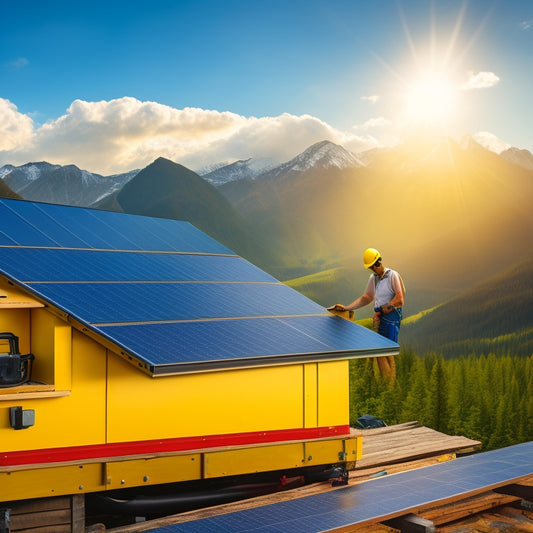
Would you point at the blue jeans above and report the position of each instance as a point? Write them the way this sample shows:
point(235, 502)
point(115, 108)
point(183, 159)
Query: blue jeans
point(389, 324)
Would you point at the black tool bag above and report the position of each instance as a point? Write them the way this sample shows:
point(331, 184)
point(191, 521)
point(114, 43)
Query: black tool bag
point(15, 369)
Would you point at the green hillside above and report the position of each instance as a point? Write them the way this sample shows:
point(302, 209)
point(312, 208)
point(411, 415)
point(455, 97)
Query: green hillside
point(168, 190)
point(6, 192)
point(495, 316)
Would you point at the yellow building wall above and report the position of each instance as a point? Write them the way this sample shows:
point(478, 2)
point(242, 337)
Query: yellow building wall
point(231, 401)
point(71, 412)
point(99, 397)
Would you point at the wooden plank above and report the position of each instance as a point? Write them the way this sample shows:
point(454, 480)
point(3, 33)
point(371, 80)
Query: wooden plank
point(40, 504)
point(46, 392)
point(412, 443)
point(500, 519)
point(441, 514)
point(444, 514)
point(27, 387)
point(63, 528)
point(43, 518)
point(363, 474)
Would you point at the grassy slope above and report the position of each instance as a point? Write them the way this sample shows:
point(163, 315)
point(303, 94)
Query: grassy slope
point(496, 315)
point(6, 192)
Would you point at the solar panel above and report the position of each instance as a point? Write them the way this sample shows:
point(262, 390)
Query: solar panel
point(150, 302)
point(42, 265)
point(171, 347)
point(375, 500)
point(167, 294)
point(34, 224)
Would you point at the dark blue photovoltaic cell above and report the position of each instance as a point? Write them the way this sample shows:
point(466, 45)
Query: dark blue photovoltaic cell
point(34, 214)
point(34, 265)
point(5, 240)
point(217, 340)
point(148, 302)
point(20, 230)
point(374, 500)
point(36, 224)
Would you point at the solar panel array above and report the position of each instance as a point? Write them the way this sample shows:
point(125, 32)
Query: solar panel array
point(167, 294)
point(375, 500)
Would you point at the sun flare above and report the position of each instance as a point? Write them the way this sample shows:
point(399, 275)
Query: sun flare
point(430, 100)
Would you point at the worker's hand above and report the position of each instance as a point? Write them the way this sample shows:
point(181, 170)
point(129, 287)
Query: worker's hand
point(339, 307)
point(386, 309)
point(376, 319)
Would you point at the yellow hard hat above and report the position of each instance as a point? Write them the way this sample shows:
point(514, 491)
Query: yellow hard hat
point(370, 256)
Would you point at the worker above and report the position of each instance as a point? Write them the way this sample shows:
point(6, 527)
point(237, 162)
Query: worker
point(386, 289)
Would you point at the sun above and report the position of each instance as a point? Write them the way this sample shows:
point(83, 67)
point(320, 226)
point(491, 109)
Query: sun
point(430, 100)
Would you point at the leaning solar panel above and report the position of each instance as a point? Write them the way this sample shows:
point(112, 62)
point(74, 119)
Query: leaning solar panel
point(375, 500)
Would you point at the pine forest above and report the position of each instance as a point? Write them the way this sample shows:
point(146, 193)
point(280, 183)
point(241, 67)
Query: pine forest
point(488, 398)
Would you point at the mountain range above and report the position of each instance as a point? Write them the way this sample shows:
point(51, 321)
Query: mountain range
point(448, 215)
point(68, 185)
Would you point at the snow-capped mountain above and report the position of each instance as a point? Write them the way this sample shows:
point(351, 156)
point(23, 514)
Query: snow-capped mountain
point(523, 158)
point(58, 184)
point(242, 169)
point(5, 170)
point(490, 142)
point(321, 155)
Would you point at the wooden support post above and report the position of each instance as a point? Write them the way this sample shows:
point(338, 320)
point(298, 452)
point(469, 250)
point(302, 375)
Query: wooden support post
point(411, 523)
point(78, 513)
point(4, 521)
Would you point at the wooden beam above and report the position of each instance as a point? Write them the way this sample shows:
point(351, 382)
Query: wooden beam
point(525, 492)
point(411, 523)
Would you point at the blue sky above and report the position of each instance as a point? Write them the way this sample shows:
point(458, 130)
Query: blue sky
point(111, 85)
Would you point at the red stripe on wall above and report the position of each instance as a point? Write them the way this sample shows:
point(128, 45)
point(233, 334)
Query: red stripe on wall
point(119, 449)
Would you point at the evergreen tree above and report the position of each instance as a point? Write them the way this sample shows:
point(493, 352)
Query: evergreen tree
point(437, 400)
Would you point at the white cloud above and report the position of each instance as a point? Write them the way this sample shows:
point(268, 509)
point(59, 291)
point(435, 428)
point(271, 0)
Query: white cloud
point(481, 80)
point(373, 98)
point(16, 129)
point(119, 135)
point(372, 123)
point(526, 24)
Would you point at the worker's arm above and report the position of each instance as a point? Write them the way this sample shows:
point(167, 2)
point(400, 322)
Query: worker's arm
point(397, 301)
point(363, 300)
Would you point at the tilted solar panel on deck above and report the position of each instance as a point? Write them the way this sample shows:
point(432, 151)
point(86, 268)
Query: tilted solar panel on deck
point(165, 294)
point(375, 500)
